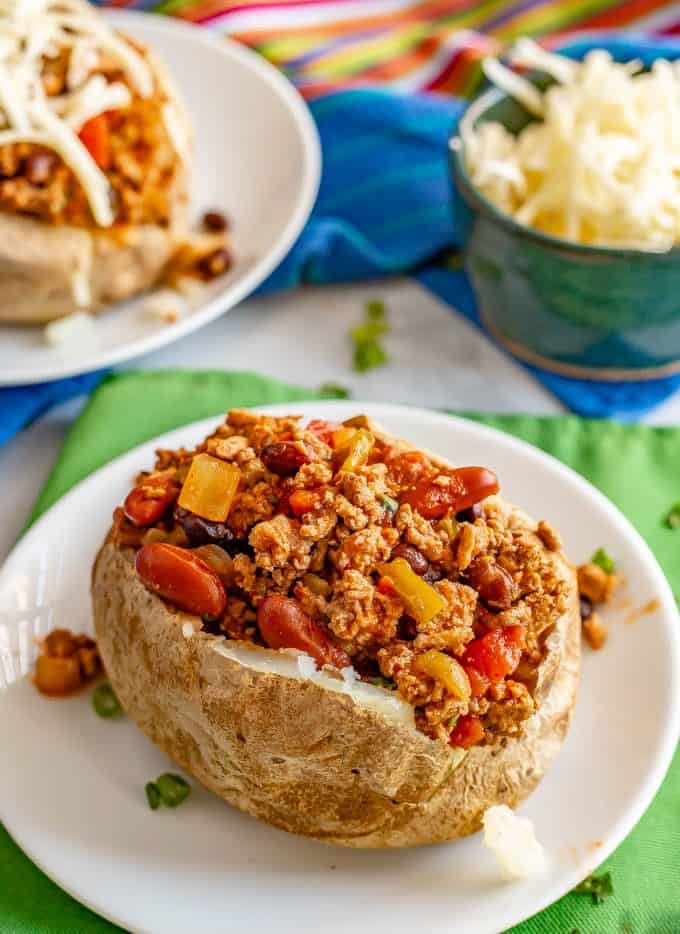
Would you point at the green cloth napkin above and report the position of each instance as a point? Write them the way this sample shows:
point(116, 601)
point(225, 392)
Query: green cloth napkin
point(634, 465)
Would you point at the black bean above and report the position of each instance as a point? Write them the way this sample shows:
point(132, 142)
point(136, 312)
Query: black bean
point(586, 608)
point(469, 515)
point(201, 531)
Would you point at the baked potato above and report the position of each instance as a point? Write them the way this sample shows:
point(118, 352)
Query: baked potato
point(366, 750)
point(94, 175)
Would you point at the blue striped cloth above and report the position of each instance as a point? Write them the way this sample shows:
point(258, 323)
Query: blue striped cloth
point(386, 207)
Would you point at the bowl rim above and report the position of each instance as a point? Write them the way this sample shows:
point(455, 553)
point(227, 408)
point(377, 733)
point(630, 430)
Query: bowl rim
point(476, 109)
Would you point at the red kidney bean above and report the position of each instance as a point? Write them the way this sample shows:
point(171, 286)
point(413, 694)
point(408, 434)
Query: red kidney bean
point(493, 583)
point(284, 625)
point(419, 563)
point(215, 221)
point(215, 263)
point(147, 503)
point(464, 487)
point(284, 457)
point(181, 578)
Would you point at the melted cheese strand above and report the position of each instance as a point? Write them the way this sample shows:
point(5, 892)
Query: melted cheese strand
point(31, 30)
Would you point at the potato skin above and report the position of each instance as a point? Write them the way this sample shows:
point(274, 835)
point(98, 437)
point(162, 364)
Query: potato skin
point(305, 759)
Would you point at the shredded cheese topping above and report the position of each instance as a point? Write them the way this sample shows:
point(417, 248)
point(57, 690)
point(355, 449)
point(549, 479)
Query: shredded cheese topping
point(34, 30)
point(600, 165)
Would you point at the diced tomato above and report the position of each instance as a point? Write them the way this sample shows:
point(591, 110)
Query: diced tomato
point(493, 656)
point(478, 683)
point(385, 586)
point(302, 501)
point(405, 467)
point(324, 430)
point(467, 732)
point(94, 135)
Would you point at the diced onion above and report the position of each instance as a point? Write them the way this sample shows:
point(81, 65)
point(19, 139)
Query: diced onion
point(602, 164)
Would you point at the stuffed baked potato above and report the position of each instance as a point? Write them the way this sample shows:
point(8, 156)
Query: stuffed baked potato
point(94, 163)
point(337, 633)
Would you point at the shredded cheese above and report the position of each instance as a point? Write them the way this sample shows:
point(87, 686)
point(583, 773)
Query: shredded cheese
point(71, 332)
point(513, 842)
point(34, 30)
point(600, 165)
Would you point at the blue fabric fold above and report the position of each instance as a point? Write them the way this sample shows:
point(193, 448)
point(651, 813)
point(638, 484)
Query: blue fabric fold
point(386, 207)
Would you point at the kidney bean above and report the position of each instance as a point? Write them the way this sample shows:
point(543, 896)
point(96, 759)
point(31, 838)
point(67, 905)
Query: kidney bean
point(181, 578)
point(215, 220)
point(284, 457)
point(201, 531)
point(284, 625)
point(464, 487)
point(493, 583)
point(215, 263)
point(147, 503)
point(419, 563)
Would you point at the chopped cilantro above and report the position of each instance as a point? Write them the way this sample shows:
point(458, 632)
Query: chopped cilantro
point(375, 310)
point(672, 519)
point(334, 391)
point(600, 887)
point(153, 795)
point(368, 356)
point(602, 560)
point(450, 726)
point(368, 351)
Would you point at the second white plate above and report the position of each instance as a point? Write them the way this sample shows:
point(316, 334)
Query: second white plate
point(206, 866)
point(257, 159)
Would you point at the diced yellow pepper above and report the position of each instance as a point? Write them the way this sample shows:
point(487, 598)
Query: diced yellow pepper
point(210, 487)
point(360, 448)
point(422, 601)
point(342, 438)
point(446, 669)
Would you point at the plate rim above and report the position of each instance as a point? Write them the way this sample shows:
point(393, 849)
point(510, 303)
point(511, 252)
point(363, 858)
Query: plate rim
point(214, 307)
point(669, 736)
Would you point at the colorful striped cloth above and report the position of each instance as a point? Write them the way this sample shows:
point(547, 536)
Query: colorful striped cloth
point(409, 45)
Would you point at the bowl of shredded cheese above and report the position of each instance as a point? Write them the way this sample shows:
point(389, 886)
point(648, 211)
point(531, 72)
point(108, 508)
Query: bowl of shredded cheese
point(571, 175)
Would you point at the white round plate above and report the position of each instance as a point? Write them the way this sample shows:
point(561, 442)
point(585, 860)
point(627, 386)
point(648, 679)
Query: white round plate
point(256, 158)
point(208, 867)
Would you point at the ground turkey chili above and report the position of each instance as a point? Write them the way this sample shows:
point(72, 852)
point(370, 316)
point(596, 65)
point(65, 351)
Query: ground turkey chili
point(330, 540)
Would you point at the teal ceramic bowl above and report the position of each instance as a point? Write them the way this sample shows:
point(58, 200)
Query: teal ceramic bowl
point(590, 312)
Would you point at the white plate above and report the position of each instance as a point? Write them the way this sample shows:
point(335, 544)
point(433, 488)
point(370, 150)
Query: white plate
point(208, 867)
point(257, 159)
